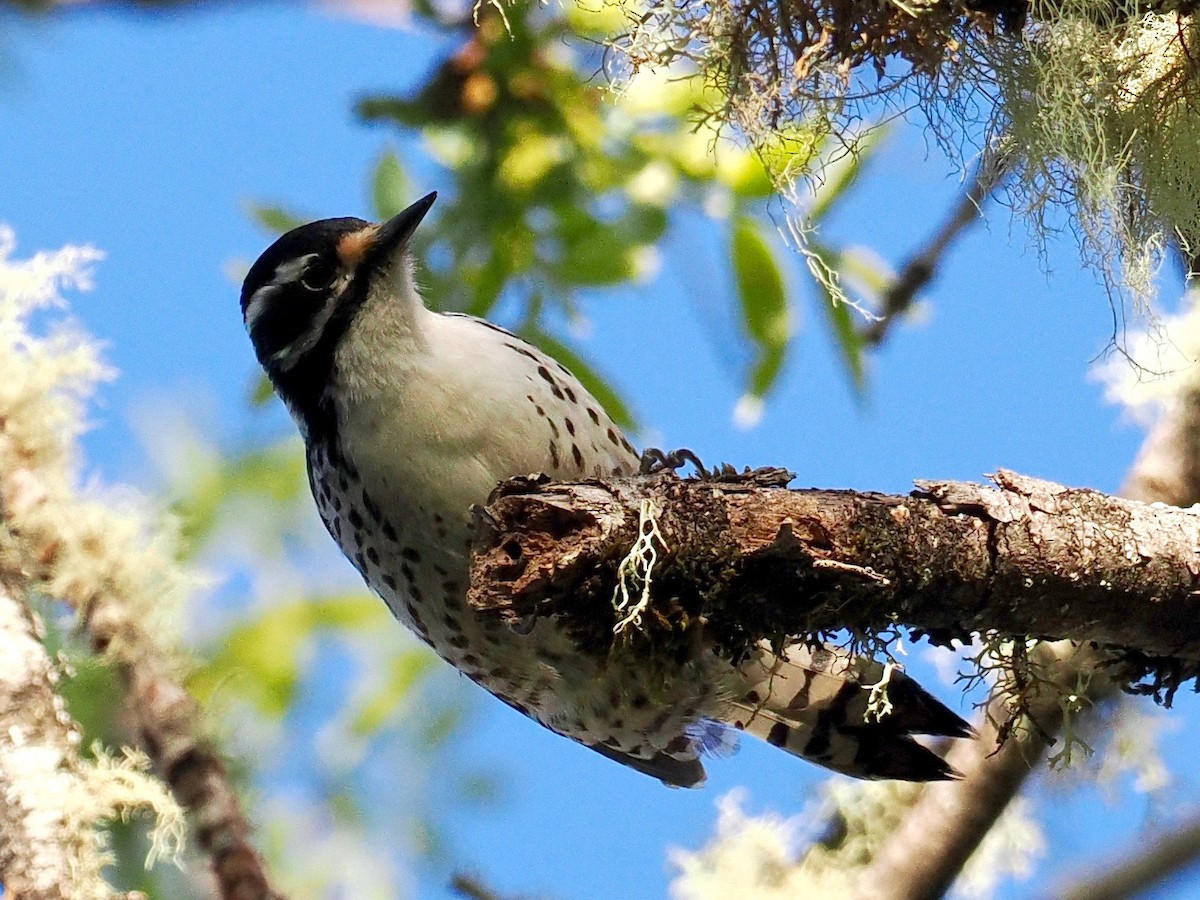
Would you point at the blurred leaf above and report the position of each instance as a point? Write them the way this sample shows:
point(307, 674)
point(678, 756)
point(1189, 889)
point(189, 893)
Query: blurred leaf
point(443, 726)
point(261, 657)
point(275, 219)
point(275, 474)
point(644, 223)
point(491, 280)
point(599, 388)
point(262, 392)
point(839, 174)
point(841, 318)
point(404, 672)
point(94, 697)
point(763, 300)
point(390, 190)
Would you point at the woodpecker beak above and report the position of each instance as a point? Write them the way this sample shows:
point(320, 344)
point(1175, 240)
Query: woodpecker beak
point(396, 231)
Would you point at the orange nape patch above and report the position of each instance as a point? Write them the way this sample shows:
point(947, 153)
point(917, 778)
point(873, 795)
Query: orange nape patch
point(353, 247)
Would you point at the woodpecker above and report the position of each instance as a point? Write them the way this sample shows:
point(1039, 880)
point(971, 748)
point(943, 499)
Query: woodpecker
point(411, 417)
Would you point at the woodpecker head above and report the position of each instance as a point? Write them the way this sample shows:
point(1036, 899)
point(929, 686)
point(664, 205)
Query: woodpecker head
point(303, 292)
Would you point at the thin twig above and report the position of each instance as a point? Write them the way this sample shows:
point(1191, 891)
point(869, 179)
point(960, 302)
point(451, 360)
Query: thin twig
point(921, 268)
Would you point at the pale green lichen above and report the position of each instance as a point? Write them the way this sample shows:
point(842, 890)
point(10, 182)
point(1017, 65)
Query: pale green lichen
point(66, 543)
point(1092, 103)
point(636, 569)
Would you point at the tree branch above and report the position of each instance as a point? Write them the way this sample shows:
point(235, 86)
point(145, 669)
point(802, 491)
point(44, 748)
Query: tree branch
point(947, 822)
point(1023, 558)
point(922, 266)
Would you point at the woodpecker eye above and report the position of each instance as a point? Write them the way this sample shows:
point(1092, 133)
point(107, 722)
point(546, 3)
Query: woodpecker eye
point(319, 275)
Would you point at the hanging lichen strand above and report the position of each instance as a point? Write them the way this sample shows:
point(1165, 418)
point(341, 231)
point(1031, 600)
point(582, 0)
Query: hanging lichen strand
point(1092, 104)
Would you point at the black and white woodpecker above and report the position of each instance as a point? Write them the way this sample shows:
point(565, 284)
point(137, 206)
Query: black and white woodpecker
point(410, 417)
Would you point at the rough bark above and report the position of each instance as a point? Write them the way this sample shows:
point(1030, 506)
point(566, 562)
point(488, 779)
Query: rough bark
point(940, 832)
point(1023, 558)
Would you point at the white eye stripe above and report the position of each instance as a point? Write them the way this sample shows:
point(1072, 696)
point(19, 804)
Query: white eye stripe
point(257, 304)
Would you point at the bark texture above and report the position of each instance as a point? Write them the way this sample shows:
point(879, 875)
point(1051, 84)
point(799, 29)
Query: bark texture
point(1023, 557)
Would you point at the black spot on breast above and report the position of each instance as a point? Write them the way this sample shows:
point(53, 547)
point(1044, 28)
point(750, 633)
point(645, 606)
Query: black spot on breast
point(553, 427)
point(628, 446)
point(470, 659)
point(372, 507)
point(389, 581)
point(612, 436)
point(416, 593)
point(452, 623)
point(337, 528)
point(407, 572)
point(640, 701)
point(570, 395)
point(337, 503)
point(459, 641)
point(554, 454)
point(556, 391)
point(410, 554)
point(450, 586)
point(343, 483)
point(545, 374)
point(524, 351)
point(355, 518)
point(439, 570)
point(359, 561)
point(390, 533)
point(570, 427)
point(373, 555)
point(659, 721)
point(577, 455)
point(594, 416)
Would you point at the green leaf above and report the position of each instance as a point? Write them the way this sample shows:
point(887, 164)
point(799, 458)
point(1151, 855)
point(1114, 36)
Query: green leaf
point(274, 474)
point(841, 319)
point(405, 671)
point(763, 299)
point(261, 657)
point(390, 190)
point(261, 393)
point(273, 218)
point(839, 174)
point(617, 409)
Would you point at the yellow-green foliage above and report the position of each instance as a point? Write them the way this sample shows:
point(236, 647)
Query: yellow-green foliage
point(1094, 103)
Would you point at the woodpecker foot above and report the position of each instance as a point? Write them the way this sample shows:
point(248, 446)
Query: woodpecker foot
point(655, 461)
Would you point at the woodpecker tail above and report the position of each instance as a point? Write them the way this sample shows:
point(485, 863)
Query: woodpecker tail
point(818, 704)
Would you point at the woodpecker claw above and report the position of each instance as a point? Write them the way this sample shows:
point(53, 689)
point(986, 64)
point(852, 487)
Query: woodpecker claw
point(655, 461)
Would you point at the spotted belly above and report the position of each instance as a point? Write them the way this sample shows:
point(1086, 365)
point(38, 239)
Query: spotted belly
point(420, 568)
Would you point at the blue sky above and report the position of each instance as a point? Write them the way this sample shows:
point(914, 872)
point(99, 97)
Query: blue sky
point(146, 136)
